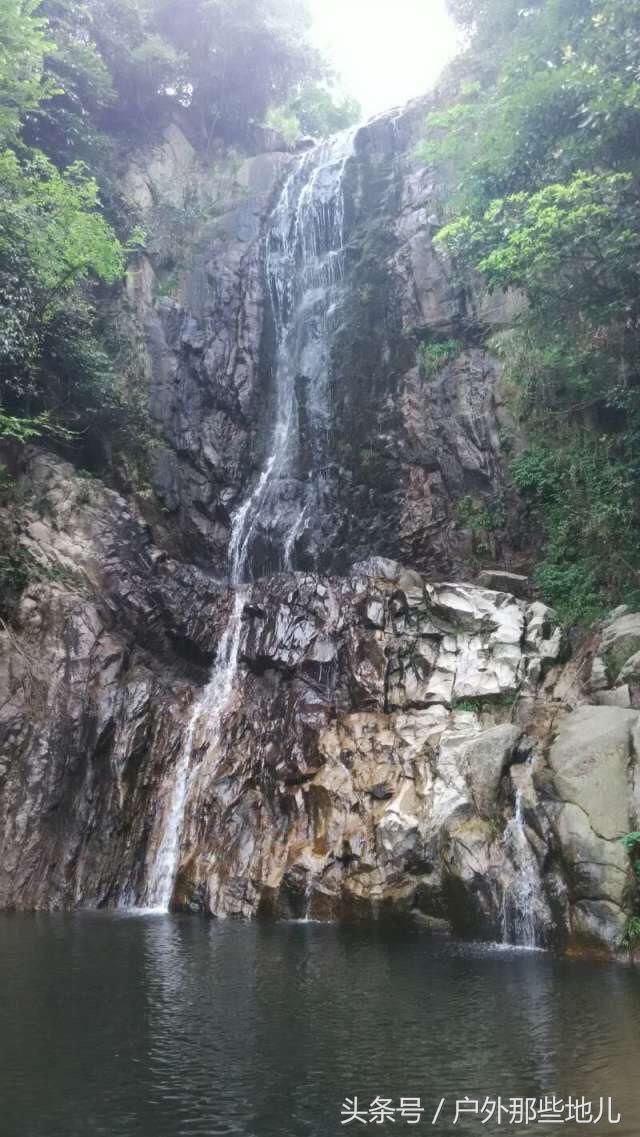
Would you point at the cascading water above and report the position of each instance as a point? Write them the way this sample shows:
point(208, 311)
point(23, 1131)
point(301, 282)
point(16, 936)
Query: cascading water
point(304, 261)
point(210, 705)
point(305, 266)
point(521, 902)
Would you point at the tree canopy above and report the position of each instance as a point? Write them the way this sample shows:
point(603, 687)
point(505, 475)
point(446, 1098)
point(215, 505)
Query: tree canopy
point(22, 47)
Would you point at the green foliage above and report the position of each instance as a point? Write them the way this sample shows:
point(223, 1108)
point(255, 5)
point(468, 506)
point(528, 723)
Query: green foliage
point(432, 357)
point(14, 575)
point(630, 842)
point(506, 441)
point(18, 568)
point(485, 17)
point(466, 705)
point(542, 146)
point(587, 503)
point(23, 44)
point(571, 590)
point(559, 91)
point(322, 111)
point(51, 222)
point(486, 703)
point(480, 515)
point(175, 227)
point(25, 429)
point(53, 242)
point(483, 518)
point(575, 243)
point(19, 429)
point(631, 938)
point(235, 58)
point(64, 124)
point(316, 111)
point(285, 122)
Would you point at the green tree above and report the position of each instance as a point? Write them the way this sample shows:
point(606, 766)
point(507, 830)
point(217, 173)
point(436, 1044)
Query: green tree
point(65, 121)
point(316, 110)
point(322, 111)
point(23, 44)
point(238, 57)
point(53, 240)
point(51, 222)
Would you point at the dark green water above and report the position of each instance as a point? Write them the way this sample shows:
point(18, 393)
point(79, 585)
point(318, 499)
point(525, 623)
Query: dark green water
point(169, 1027)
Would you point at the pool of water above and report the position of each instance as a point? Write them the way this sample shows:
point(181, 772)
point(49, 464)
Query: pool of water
point(165, 1026)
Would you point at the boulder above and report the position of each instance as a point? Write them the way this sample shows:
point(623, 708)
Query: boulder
point(620, 641)
point(590, 761)
point(543, 633)
point(483, 761)
point(630, 673)
point(501, 581)
point(616, 697)
point(598, 680)
point(598, 923)
point(599, 868)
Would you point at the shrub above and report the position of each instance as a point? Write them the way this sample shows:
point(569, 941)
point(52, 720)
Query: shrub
point(631, 938)
point(432, 357)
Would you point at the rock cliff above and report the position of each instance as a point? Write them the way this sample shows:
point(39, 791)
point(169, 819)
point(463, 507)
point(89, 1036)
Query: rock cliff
point(337, 734)
point(400, 450)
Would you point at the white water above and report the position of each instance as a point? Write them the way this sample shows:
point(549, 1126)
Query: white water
point(304, 259)
point(210, 706)
point(521, 899)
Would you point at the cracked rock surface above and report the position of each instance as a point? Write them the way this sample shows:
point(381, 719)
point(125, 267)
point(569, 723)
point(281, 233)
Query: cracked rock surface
point(398, 740)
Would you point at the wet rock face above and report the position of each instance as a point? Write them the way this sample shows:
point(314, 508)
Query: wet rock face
point(96, 676)
point(396, 747)
point(370, 757)
point(200, 298)
point(407, 443)
point(401, 446)
point(390, 746)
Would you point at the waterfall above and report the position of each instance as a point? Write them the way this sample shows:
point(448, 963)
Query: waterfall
point(305, 253)
point(304, 265)
point(521, 899)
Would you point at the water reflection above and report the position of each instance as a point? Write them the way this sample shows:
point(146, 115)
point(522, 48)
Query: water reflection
point(162, 1026)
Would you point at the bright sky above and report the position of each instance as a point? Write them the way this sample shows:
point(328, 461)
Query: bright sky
point(385, 51)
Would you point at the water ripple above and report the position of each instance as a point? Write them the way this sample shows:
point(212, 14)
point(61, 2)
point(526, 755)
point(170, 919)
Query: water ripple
point(163, 1026)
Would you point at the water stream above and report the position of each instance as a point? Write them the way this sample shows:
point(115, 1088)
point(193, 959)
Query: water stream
point(521, 900)
point(304, 264)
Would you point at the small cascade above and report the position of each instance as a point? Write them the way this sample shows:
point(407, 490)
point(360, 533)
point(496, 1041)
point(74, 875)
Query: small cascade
point(306, 906)
point(304, 262)
point(521, 901)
